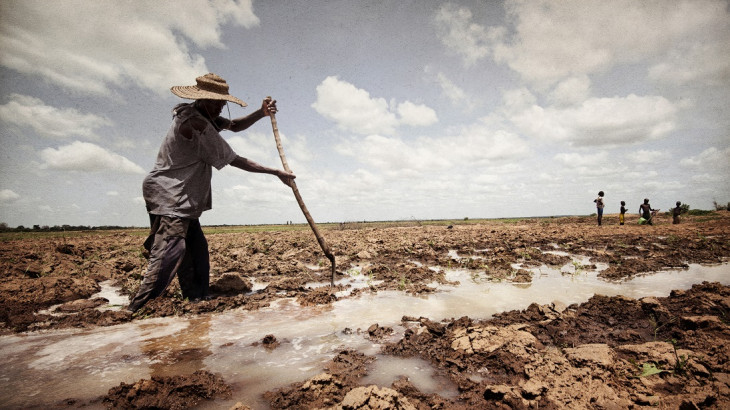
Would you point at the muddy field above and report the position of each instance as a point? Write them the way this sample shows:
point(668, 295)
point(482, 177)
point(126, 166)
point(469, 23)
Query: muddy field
point(608, 352)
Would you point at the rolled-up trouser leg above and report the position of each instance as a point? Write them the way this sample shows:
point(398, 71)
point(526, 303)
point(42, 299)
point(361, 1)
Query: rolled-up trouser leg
point(166, 256)
point(194, 272)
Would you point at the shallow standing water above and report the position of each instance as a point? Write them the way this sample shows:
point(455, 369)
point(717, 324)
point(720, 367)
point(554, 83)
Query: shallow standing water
point(43, 368)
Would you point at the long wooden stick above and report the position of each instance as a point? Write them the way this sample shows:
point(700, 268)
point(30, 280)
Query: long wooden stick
point(300, 201)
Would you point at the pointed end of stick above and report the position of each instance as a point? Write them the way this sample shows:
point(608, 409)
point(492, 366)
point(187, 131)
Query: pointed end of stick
point(332, 278)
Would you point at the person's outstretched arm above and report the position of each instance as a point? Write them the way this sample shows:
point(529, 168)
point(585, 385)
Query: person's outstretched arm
point(253, 166)
point(268, 106)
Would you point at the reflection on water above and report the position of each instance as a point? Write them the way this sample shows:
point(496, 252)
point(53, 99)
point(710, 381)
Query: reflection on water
point(181, 352)
point(45, 367)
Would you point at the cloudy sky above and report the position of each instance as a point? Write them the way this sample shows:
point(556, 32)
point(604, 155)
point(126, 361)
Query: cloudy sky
point(404, 109)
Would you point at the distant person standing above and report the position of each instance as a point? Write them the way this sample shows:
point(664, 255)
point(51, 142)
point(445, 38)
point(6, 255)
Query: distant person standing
point(622, 214)
point(646, 213)
point(676, 212)
point(599, 207)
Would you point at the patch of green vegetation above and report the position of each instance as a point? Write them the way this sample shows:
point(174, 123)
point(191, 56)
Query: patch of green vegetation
point(470, 263)
point(371, 278)
point(403, 282)
point(650, 369)
point(656, 326)
point(680, 364)
point(479, 277)
point(578, 267)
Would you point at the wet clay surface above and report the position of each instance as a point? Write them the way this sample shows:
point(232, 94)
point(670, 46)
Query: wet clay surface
point(607, 352)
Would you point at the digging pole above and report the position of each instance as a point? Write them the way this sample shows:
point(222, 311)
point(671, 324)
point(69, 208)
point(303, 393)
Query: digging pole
point(300, 201)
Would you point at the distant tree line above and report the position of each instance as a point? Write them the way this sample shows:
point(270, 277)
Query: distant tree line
point(719, 207)
point(57, 228)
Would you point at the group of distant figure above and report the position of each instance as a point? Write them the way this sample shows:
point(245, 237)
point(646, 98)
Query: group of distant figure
point(645, 210)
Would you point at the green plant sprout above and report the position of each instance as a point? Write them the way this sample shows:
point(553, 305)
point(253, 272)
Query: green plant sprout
point(650, 369)
point(680, 365)
point(578, 267)
point(403, 282)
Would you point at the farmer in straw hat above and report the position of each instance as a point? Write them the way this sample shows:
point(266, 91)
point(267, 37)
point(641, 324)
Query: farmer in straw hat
point(177, 190)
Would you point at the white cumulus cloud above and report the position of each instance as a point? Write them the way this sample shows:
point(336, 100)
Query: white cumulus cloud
point(571, 91)
point(709, 159)
point(89, 46)
point(7, 195)
point(577, 160)
point(416, 114)
point(25, 111)
point(454, 93)
point(353, 109)
point(647, 156)
point(456, 30)
point(600, 121)
point(87, 157)
point(553, 40)
point(477, 145)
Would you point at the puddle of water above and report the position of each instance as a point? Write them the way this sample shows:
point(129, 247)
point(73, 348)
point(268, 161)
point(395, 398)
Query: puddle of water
point(109, 292)
point(40, 369)
point(388, 369)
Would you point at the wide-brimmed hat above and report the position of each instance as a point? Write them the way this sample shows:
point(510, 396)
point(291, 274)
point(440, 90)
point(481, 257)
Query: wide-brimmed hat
point(209, 87)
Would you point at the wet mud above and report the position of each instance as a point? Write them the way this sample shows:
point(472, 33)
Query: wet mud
point(607, 352)
point(173, 392)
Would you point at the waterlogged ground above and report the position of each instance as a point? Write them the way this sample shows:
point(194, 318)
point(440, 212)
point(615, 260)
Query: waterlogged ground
point(480, 315)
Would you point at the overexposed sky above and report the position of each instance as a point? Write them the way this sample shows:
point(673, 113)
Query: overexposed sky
point(407, 109)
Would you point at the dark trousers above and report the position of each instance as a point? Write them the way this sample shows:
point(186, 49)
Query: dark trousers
point(177, 246)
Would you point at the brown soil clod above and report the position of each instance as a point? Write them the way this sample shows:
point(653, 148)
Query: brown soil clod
point(175, 392)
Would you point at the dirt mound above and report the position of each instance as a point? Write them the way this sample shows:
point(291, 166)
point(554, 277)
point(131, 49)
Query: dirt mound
point(231, 283)
point(21, 297)
point(372, 398)
point(176, 392)
point(325, 389)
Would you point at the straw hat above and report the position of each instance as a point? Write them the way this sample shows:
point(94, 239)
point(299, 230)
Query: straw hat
point(209, 87)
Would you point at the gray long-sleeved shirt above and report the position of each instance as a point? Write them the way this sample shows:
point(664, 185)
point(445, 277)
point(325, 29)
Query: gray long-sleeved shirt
point(179, 183)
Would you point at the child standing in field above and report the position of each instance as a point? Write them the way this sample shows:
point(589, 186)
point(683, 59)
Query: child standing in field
point(646, 213)
point(676, 212)
point(622, 215)
point(599, 206)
